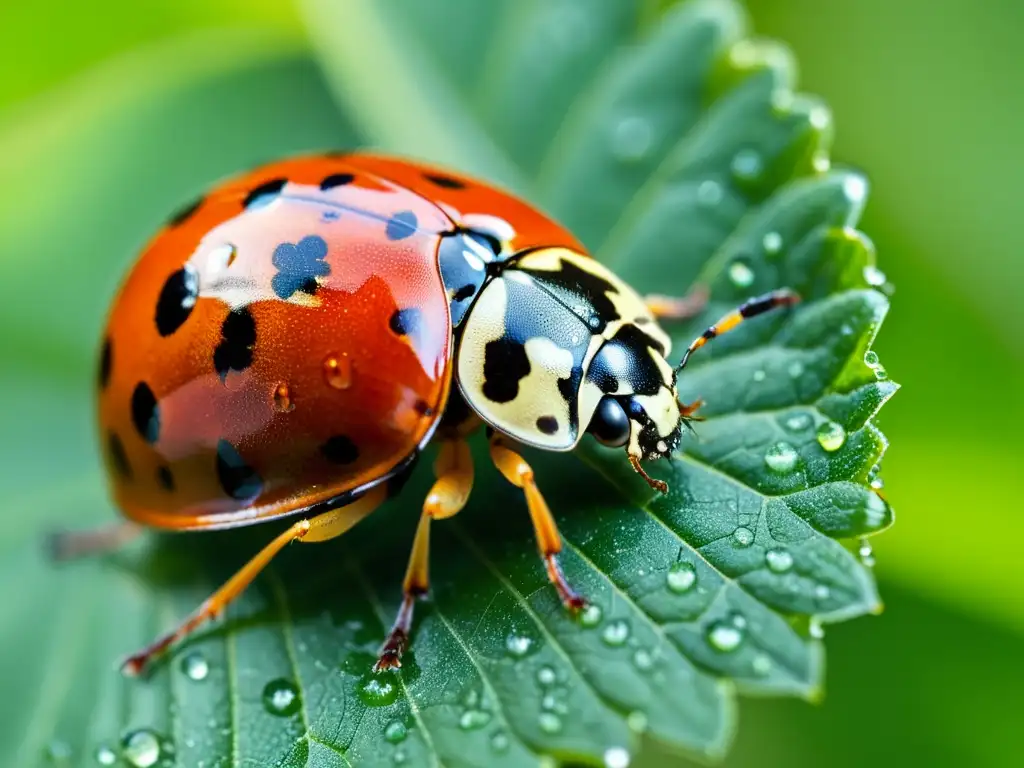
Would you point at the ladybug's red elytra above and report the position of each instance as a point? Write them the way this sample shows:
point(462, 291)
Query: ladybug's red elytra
point(290, 343)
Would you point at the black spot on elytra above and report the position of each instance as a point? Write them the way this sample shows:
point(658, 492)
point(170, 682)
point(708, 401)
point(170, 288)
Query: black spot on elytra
point(336, 180)
point(118, 457)
point(145, 413)
point(238, 337)
point(106, 362)
point(547, 424)
point(184, 213)
point(505, 364)
point(165, 478)
point(177, 298)
point(406, 322)
point(444, 181)
point(340, 450)
point(237, 478)
point(299, 265)
point(401, 225)
point(422, 407)
point(264, 193)
point(464, 292)
point(567, 388)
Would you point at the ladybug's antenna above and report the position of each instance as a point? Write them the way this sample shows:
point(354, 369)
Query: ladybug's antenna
point(780, 298)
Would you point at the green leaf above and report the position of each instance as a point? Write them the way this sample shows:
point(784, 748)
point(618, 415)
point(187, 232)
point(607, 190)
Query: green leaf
point(678, 151)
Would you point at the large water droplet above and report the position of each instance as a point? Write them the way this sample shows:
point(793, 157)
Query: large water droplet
point(616, 757)
point(499, 741)
point(616, 633)
point(549, 722)
point(681, 577)
point(871, 358)
point(781, 457)
point(518, 645)
point(281, 697)
point(725, 636)
point(831, 436)
point(546, 675)
point(772, 243)
point(778, 560)
point(743, 537)
point(338, 371)
point(740, 273)
point(141, 748)
point(378, 689)
point(632, 138)
point(395, 732)
point(747, 164)
point(798, 422)
point(709, 193)
point(105, 755)
point(474, 718)
point(591, 616)
point(195, 666)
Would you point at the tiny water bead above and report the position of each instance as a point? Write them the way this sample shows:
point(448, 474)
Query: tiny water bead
point(283, 398)
point(281, 697)
point(546, 675)
point(876, 484)
point(632, 139)
point(761, 665)
point(338, 371)
point(58, 752)
point(740, 274)
point(105, 755)
point(798, 422)
point(616, 633)
point(871, 358)
point(795, 369)
point(781, 457)
point(822, 592)
point(743, 537)
point(709, 193)
point(378, 689)
point(636, 721)
point(873, 276)
point(681, 577)
point(473, 719)
point(866, 553)
point(499, 741)
point(778, 560)
point(760, 375)
point(616, 757)
point(518, 645)
point(141, 748)
point(725, 636)
point(880, 373)
point(591, 616)
point(831, 436)
point(195, 666)
point(395, 732)
point(747, 165)
point(399, 757)
point(642, 659)
point(549, 722)
point(772, 243)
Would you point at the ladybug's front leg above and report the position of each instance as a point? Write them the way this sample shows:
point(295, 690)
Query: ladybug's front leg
point(519, 473)
point(454, 471)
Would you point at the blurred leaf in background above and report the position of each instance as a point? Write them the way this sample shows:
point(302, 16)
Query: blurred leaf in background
point(94, 164)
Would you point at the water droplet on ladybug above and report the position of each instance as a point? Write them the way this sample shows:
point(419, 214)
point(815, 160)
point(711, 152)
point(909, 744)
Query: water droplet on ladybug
point(282, 397)
point(338, 371)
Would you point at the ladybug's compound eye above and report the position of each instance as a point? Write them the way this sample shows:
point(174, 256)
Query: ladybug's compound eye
point(610, 424)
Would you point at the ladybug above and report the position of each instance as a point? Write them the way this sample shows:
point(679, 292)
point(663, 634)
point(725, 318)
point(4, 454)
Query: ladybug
point(290, 343)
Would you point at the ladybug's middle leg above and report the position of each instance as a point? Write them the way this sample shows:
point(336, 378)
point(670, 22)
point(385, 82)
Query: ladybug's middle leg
point(453, 468)
point(519, 473)
point(678, 307)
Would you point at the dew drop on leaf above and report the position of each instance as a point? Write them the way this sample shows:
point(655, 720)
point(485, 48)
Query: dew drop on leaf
point(747, 165)
point(642, 659)
point(796, 369)
point(798, 422)
point(636, 721)
point(871, 358)
point(725, 636)
point(281, 697)
point(105, 755)
point(395, 732)
point(616, 633)
point(473, 719)
point(399, 757)
point(378, 689)
point(831, 436)
point(759, 375)
point(141, 748)
point(743, 537)
point(772, 243)
point(866, 553)
point(546, 675)
point(815, 629)
point(880, 373)
point(778, 560)
point(591, 616)
point(781, 457)
point(681, 577)
point(616, 757)
point(549, 722)
point(761, 665)
point(58, 752)
point(740, 274)
point(709, 193)
point(195, 666)
point(822, 591)
point(518, 645)
point(873, 276)
point(499, 741)
point(631, 139)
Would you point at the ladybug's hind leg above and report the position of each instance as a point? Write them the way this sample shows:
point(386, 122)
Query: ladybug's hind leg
point(454, 471)
point(68, 545)
point(678, 307)
point(320, 528)
point(519, 473)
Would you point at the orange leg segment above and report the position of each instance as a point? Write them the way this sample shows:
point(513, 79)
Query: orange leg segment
point(454, 471)
point(320, 528)
point(68, 545)
point(677, 307)
point(520, 474)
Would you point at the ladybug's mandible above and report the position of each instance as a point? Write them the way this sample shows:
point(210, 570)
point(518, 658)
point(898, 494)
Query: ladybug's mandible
point(288, 345)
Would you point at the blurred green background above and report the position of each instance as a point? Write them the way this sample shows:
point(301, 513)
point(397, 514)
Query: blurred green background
point(927, 100)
